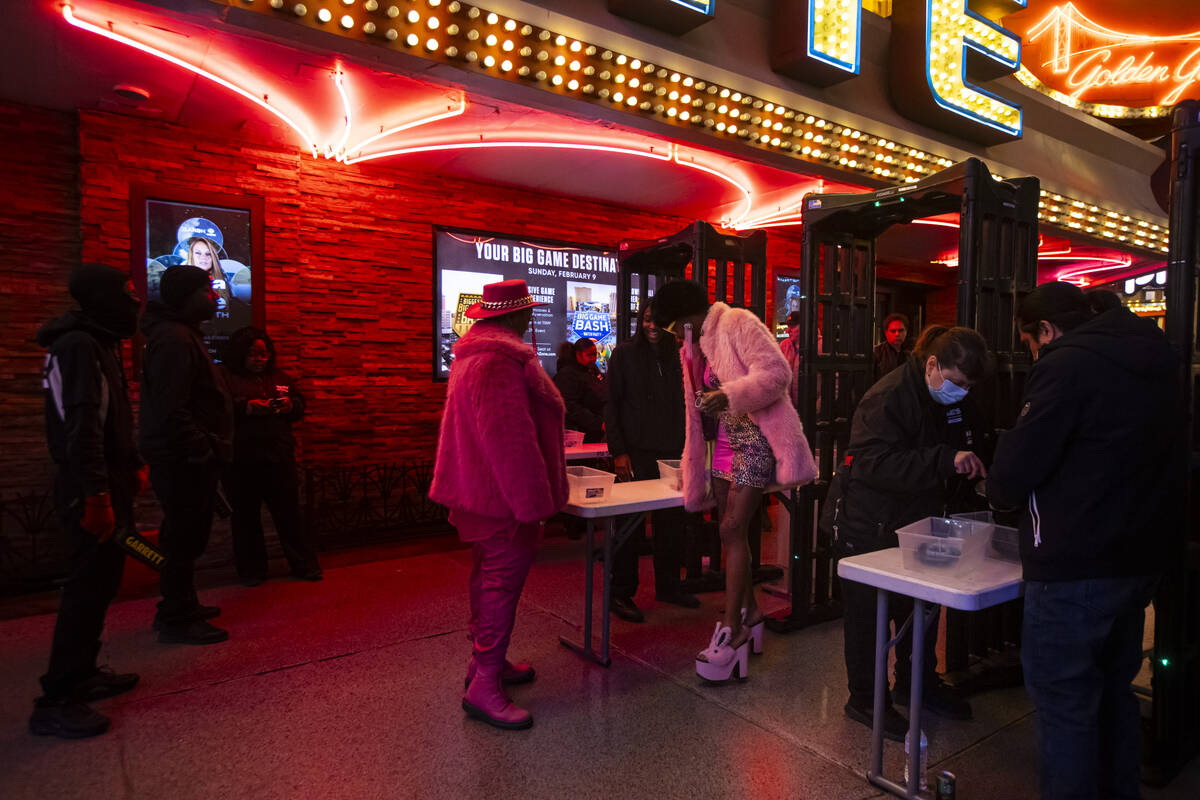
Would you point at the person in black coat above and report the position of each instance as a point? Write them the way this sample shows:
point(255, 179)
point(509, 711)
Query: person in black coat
point(266, 403)
point(897, 466)
point(98, 473)
point(1097, 463)
point(896, 346)
point(582, 387)
point(187, 437)
point(644, 423)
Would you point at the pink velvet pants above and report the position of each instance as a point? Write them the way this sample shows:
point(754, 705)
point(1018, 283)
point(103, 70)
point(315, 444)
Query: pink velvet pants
point(501, 563)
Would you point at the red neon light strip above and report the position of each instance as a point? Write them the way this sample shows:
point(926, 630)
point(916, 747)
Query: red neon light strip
point(337, 150)
point(69, 16)
point(454, 112)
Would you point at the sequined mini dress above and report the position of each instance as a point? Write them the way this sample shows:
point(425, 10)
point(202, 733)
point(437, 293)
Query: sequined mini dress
point(742, 454)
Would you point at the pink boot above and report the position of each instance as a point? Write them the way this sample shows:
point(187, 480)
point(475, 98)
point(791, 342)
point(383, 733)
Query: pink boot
point(486, 701)
point(512, 674)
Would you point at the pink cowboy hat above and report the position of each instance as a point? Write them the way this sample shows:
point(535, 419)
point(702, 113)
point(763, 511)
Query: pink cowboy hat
point(502, 298)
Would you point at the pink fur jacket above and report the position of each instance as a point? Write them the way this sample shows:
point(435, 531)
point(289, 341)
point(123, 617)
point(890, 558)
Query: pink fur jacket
point(500, 448)
point(755, 377)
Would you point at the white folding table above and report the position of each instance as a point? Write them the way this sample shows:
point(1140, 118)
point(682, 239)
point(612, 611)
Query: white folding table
point(581, 452)
point(992, 583)
point(633, 497)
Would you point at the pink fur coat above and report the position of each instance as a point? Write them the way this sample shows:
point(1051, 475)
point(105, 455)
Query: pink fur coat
point(500, 447)
point(755, 377)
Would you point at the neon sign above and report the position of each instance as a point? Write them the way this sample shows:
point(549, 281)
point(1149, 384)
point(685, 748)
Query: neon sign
point(672, 16)
point(938, 47)
point(1082, 61)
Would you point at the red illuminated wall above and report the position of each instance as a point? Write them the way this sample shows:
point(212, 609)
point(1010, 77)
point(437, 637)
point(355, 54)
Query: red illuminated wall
point(348, 252)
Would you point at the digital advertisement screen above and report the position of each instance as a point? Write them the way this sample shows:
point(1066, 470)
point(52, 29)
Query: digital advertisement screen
point(788, 295)
point(578, 282)
point(213, 238)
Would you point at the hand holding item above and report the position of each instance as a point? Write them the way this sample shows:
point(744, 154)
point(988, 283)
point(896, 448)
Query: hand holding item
point(713, 403)
point(281, 405)
point(969, 464)
point(624, 468)
point(98, 517)
point(254, 407)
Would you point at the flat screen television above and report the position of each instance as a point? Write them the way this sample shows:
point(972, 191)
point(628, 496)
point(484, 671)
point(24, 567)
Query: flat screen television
point(579, 282)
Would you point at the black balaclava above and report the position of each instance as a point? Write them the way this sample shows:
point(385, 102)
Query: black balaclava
point(184, 288)
point(101, 294)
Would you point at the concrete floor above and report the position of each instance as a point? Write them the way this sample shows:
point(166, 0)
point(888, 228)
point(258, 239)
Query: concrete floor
point(350, 688)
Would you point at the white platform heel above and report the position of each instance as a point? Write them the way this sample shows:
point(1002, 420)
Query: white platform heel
point(720, 661)
point(756, 634)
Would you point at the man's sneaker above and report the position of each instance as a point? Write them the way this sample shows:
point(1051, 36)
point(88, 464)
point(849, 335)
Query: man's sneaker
point(67, 719)
point(625, 608)
point(201, 613)
point(895, 726)
point(937, 698)
point(105, 683)
point(195, 632)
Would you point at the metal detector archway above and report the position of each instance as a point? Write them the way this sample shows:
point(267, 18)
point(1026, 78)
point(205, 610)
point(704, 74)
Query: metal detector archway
point(997, 249)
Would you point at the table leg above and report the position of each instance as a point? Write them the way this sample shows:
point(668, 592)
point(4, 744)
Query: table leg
point(914, 698)
point(606, 594)
point(585, 649)
point(881, 659)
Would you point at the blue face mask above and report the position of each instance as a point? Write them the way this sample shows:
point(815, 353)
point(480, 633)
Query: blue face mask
point(948, 393)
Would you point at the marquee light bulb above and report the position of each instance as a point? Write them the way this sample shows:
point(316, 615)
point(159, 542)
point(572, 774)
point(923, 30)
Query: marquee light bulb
point(324, 15)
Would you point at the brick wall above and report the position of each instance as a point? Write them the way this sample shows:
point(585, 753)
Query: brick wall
point(348, 264)
point(39, 241)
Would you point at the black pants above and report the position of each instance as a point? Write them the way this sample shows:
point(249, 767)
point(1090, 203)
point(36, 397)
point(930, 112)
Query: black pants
point(668, 528)
point(251, 484)
point(95, 577)
point(187, 494)
point(858, 623)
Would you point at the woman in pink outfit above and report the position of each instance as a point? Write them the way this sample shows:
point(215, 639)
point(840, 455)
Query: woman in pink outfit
point(501, 470)
point(734, 374)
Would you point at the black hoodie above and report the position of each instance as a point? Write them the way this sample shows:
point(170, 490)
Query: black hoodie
point(89, 421)
point(186, 413)
point(1096, 455)
point(645, 397)
point(584, 393)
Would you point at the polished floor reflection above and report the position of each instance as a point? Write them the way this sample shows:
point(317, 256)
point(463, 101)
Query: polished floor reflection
point(350, 688)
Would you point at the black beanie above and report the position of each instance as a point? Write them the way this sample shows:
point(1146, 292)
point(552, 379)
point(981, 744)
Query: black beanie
point(180, 281)
point(679, 299)
point(1064, 305)
point(96, 284)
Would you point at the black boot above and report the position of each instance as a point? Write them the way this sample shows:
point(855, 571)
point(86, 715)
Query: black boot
point(895, 726)
point(66, 718)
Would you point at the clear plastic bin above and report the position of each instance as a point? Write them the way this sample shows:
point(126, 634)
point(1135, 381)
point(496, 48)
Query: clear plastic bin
point(589, 486)
point(944, 545)
point(572, 438)
point(1005, 541)
point(670, 474)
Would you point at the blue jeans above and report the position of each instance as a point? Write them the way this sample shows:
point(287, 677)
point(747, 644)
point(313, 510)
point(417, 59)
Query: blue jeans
point(1081, 649)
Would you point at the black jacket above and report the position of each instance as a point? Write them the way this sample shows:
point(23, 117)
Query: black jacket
point(645, 397)
point(186, 414)
point(887, 359)
point(1096, 455)
point(89, 420)
point(898, 463)
point(584, 393)
point(263, 437)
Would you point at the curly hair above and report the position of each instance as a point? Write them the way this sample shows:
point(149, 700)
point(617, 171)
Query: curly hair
point(233, 353)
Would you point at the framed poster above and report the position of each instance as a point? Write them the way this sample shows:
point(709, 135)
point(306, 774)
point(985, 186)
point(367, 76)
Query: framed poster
point(579, 283)
point(220, 233)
